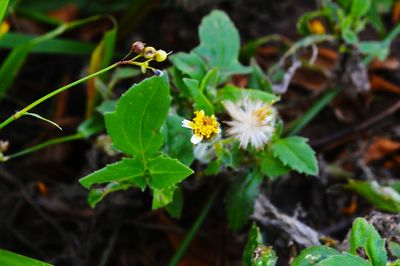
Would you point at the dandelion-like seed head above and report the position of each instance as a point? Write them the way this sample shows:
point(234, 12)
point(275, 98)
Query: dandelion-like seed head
point(253, 122)
point(203, 126)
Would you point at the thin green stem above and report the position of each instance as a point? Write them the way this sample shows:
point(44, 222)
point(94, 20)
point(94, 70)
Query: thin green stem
point(311, 113)
point(193, 231)
point(47, 96)
point(45, 144)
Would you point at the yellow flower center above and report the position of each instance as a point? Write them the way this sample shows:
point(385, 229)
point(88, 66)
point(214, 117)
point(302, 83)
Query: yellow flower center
point(262, 113)
point(317, 27)
point(203, 125)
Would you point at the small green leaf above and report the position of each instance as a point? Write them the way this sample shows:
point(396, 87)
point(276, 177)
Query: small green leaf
point(8, 258)
point(174, 140)
point(91, 126)
point(162, 198)
point(135, 124)
point(374, 48)
point(271, 166)
point(98, 194)
point(127, 170)
point(313, 255)
point(166, 172)
point(297, 154)
point(233, 93)
point(385, 198)
point(394, 249)
point(359, 7)
point(201, 102)
point(189, 64)
point(240, 199)
point(107, 106)
point(175, 207)
point(257, 79)
point(364, 235)
point(345, 259)
point(349, 36)
point(210, 80)
point(255, 253)
point(220, 45)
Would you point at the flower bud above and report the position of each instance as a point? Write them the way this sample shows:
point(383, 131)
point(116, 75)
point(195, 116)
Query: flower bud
point(161, 55)
point(137, 47)
point(149, 52)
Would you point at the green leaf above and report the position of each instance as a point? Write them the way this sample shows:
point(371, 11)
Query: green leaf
point(297, 154)
point(175, 207)
point(271, 166)
point(313, 255)
point(233, 93)
point(98, 194)
point(349, 36)
point(175, 140)
point(8, 258)
point(394, 249)
point(365, 236)
point(201, 102)
point(210, 80)
point(255, 253)
point(51, 46)
point(107, 106)
point(190, 64)
point(344, 260)
point(220, 45)
point(385, 198)
point(257, 79)
point(166, 172)
point(3, 9)
point(240, 199)
point(162, 198)
point(359, 8)
point(131, 171)
point(91, 126)
point(43, 119)
point(135, 124)
point(11, 66)
point(374, 48)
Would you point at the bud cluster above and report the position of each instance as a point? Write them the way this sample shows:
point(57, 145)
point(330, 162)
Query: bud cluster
point(148, 52)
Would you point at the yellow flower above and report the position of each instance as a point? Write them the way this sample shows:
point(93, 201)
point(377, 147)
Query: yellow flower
point(317, 27)
point(203, 126)
point(4, 28)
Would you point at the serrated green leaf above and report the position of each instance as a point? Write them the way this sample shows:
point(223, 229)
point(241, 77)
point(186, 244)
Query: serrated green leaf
point(201, 102)
point(190, 64)
point(313, 255)
point(135, 124)
point(162, 198)
point(359, 7)
point(8, 258)
point(344, 259)
point(166, 172)
point(175, 207)
point(364, 235)
point(240, 199)
point(255, 253)
point(271, 166)
point(220, 44)
point(297, 154)
point(98, 194)
point(127, 170)
point(385, 198)
point(175, 137)
point(233, 93)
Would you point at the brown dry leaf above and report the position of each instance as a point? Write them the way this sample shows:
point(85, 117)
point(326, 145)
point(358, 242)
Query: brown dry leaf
point(380, 148)
point(66, 13)
point(380, 84)
point(396, 12)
